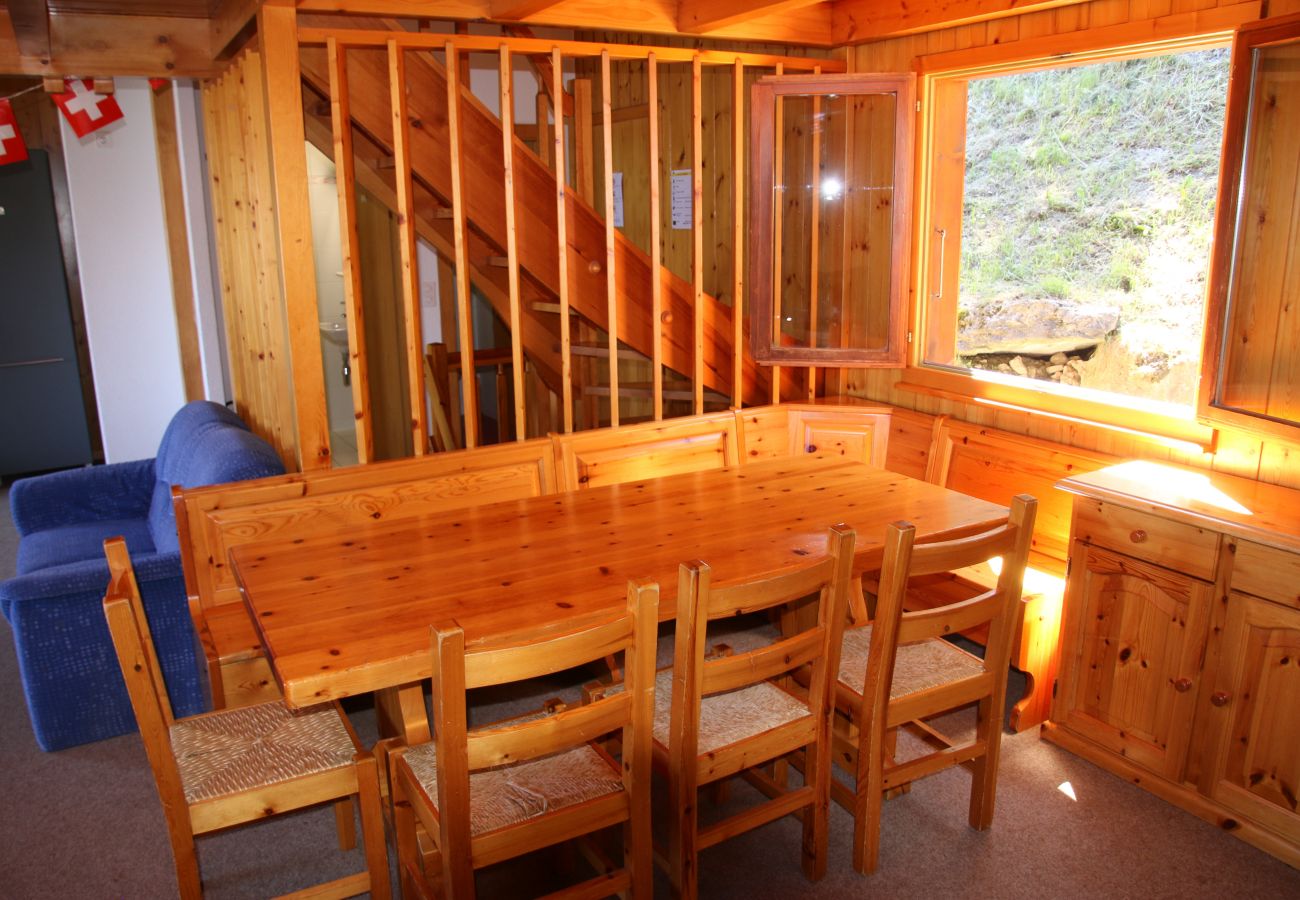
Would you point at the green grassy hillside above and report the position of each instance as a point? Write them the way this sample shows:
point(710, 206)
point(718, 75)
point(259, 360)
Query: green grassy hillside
point(1096, 184)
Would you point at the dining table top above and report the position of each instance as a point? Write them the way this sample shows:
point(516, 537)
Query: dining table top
point(349, 612)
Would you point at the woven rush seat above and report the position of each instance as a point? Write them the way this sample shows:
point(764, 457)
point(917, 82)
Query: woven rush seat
point(515, 793)
point(917, 667)
point(234, 750)
point(729, 717)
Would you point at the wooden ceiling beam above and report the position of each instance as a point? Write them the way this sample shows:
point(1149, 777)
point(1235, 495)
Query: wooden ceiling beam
point(808, 25)
point(515, 10)
point(148, 46)
point(704, 16)
point(233, 23)
point(859, 21)
point(31, 24)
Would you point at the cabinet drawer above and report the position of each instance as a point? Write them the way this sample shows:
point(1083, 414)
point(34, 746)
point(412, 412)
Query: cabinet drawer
point(1183, 548)
point(1267, 572)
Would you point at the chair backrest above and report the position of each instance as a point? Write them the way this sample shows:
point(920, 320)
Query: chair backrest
point(458, 667)
point(809, 639)
point(129, 629)
point(213, 520)
point(998, 607)
point(650, 450)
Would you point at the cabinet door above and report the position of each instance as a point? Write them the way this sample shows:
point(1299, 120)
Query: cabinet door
point(861, 435)
point(1130, 656)
point(1254, 711)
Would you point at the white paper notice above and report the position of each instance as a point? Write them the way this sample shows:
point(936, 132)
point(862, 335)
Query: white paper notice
point(681, 180)
point(618, 199)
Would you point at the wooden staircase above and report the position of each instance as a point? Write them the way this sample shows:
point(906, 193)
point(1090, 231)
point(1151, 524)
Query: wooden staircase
point(536, 198)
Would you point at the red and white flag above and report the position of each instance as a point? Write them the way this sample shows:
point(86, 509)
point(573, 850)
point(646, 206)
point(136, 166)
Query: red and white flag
point(12, 147)
point(85, 110)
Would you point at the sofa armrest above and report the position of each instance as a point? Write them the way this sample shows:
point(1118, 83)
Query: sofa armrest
point(75, 581)
point(96, 493)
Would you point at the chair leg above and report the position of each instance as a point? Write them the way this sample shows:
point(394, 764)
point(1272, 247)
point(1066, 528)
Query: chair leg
point(189, 885)
point(683, 852)
point(868, 804)
point(984, 781)
point(372, 827)
point(816, 816)
point(409, 864)
point(345, 823)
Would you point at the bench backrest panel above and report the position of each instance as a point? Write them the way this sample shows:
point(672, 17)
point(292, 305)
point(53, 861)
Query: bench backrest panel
point(586, 459)
point(213, 520)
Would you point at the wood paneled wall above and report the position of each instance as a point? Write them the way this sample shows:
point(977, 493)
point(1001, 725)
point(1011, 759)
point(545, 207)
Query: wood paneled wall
point(239, 164)
point(1237, 453)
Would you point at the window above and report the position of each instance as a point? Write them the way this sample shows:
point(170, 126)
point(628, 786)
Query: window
point(1071, 210)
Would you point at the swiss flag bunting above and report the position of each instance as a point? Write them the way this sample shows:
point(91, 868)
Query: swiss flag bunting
point(12, 147)
point(85, 110)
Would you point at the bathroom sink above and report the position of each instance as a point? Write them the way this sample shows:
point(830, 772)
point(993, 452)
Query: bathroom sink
point(335, 331)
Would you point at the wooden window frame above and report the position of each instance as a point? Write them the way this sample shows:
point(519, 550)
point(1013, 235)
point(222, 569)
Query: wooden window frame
point(1228, 215)
point(764, 94)
point(1133, 415)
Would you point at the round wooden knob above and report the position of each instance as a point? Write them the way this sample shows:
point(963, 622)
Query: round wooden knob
point(1183, 685)
point(595, 267)
point(1138, 536)
point(1220, 698)
point(666, 317)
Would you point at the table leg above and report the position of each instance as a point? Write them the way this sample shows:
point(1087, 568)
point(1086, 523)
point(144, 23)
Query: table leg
point(401, 713)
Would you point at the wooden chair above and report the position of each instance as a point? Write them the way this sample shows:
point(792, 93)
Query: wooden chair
point(229, 767)
point(898, 672)
point(719, 717)
point(487, 795)
point(651, 450)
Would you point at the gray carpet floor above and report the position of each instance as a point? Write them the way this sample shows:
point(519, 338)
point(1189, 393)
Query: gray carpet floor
point(86, 823)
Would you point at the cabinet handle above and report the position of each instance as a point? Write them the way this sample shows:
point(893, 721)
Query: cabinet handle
point(1183, 685)
point(1220, 698)
point(1138, 536)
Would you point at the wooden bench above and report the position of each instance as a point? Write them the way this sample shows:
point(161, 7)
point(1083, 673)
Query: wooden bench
point(212, 520)
point(981, 462)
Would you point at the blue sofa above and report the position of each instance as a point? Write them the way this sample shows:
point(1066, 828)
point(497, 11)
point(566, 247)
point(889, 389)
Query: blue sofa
point(74, 688)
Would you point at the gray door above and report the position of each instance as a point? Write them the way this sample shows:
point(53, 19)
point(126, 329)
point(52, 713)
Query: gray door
point(42, 418)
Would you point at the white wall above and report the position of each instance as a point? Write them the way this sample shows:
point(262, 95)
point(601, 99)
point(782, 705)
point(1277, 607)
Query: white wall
point(117, 217)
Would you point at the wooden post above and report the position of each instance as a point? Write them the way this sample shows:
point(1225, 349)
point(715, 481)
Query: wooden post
point(584, 165)
point(410, 275)
point(607, 138)
point(544, 147)
point(816, 237)
point(738, 182)
point(656, 248)
point(507, 95)
point(697, 233)
point(345, 185)
point(778, 221)
point(277, 28)
point(562, 238)
point(465, 336)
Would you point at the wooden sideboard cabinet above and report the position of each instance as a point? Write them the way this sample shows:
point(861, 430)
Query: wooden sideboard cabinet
point(1179, 659)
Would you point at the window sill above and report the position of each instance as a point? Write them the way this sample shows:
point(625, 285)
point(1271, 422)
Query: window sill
point(987, 389)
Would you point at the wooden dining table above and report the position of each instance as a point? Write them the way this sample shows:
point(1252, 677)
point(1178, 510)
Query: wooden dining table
point(344, 613)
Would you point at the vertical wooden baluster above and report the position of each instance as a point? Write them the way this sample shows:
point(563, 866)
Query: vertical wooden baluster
point(778, 224)
point(697, 233)
point(507, 94)
point(465, 327)
point(656, 249)
point(544, 148)
point(816, 203)
point(607, 137)
point(406, 240)
point(738, 182)
point(562, 238)
point(345, 184)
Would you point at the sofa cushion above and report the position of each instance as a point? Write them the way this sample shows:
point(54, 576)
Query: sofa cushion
point(183, 436)
point(83, 541)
